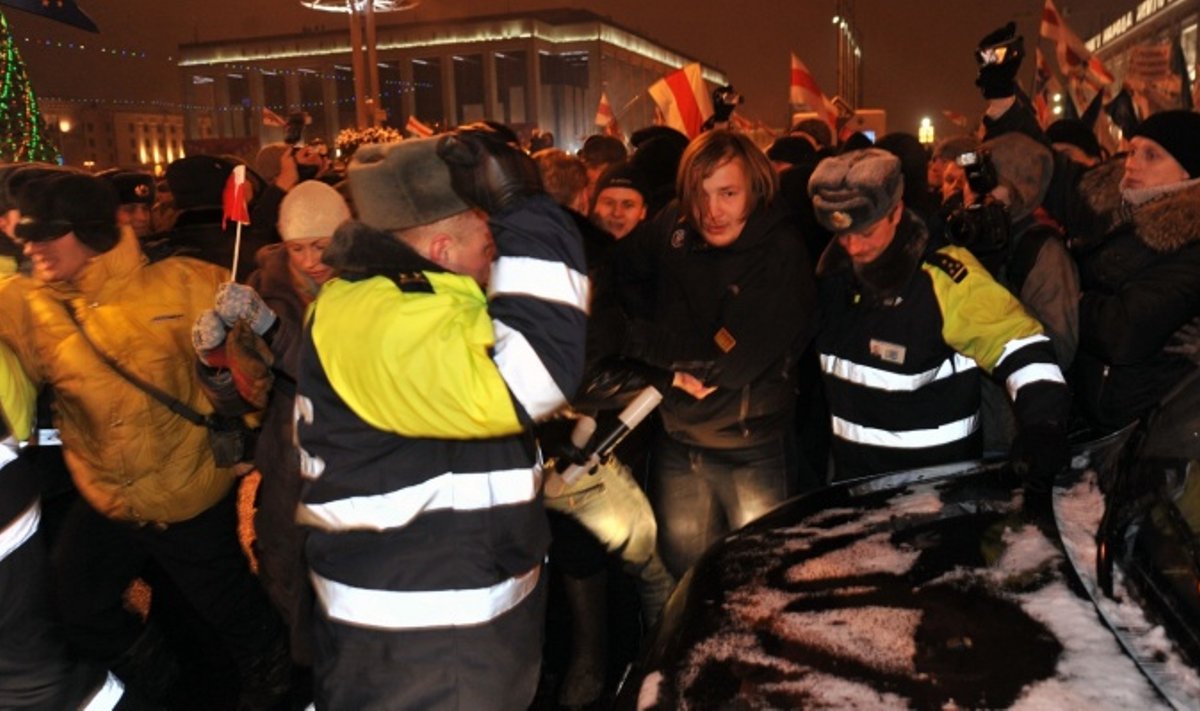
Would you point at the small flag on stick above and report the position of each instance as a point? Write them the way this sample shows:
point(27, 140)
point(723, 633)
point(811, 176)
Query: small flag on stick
point(415, 127)
point(233, 200)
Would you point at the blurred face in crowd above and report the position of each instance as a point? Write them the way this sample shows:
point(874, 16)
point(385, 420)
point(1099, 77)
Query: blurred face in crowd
point(619, 210)
point(58, 259)
point(304, 257)
point(725, 201)
point(1149, 165)
point(135, 215)
point(865, 247)
point(936, 170)
point(954, 180)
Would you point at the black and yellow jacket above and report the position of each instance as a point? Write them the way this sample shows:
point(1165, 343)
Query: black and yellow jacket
point(415, 396)
point(901, 346)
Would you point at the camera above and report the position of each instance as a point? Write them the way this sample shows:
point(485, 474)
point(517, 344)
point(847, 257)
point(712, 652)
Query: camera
point(980, 172)
point(295, 127)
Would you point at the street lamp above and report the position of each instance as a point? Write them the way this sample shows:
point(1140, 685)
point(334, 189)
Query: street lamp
point(366, 78)
point(925, 132)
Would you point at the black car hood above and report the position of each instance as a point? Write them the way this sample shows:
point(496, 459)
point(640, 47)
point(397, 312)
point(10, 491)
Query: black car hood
point(917, 590)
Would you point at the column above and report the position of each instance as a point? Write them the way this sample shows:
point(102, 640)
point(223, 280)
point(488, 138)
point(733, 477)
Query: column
point(491, 108)
point(222, 116)
point(533, 90)
point(449, 95)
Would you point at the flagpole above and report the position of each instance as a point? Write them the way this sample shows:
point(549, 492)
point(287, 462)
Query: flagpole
point(237, 248)
point(628, 105)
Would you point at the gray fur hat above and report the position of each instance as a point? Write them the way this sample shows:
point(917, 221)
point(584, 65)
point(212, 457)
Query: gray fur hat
point(852, 191)
point(397, 186)
point(1024, 166)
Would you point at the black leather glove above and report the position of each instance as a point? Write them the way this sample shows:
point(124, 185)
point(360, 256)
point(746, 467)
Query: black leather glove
point(999, 57)
point(486, 170)
point(1039, 454)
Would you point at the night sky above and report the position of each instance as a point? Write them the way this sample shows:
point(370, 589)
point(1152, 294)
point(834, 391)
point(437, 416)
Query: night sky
point(917, 54)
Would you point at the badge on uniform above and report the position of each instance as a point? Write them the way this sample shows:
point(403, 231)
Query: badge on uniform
point(887, 352)
point(724, 340)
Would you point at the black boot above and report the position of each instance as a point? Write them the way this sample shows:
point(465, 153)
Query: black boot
point(149, 667)
point(586, 674)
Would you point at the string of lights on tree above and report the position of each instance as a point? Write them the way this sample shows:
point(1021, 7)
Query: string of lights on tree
point(21, 128)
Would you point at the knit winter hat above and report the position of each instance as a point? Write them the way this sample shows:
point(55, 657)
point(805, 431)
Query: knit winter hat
point(793, 149)
point(132, 186)
point(71, 202)
point(622, 175)
point(1025, 167)
point(852, 191)
point(401, 185)
point(311, 209)
point(198, 181)
point(1178, 132)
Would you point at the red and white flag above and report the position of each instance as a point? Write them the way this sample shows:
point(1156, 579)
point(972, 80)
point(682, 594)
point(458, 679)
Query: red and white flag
point(604, 112)
point(1073, 57)
point(955, 117)
point(415, 127)
point(804, 90)
point(233, 200)
point(683, 99)
point(270, 118)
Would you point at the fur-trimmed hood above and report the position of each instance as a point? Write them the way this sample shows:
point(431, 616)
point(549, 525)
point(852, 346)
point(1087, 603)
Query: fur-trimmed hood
point(1164, 224)
point(888, 275)
point(359, 251)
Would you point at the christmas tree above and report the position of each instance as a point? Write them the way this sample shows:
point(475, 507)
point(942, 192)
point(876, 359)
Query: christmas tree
point(22, 135)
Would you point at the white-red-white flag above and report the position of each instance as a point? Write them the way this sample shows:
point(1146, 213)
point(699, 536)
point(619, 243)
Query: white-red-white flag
point(415, 127)
point(804, 90)
point(1074, 59)
point(604, 112)
point(955, 117)
point(683, 99)
point(270, 118)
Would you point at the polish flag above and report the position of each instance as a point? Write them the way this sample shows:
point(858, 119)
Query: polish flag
point(683, 99)
point(604, 112)
point(804, 90)
point(417, 128)
point(233, 200)
point(1073, 56)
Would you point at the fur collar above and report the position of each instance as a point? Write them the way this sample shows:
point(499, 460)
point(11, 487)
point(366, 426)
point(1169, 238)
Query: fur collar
point(887, 276)
point(359, 251)
point(1164, 224)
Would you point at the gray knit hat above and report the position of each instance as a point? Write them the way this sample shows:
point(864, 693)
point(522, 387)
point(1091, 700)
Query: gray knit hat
point(401, 185)
point(1024, 166)
point(852, 191)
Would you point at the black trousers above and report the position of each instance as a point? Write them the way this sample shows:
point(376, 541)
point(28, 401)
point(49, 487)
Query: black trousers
point(95, 559)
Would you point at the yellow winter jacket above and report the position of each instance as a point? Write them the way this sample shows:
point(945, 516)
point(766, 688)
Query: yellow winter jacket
point(130, 457)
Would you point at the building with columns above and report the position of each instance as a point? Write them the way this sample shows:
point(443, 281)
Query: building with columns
point(531, 70)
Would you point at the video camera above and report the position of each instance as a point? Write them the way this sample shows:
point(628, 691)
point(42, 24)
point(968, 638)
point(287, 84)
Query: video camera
point(983, 226)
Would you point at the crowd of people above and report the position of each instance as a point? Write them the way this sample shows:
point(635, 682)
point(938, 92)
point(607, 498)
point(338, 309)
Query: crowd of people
point(410, 349)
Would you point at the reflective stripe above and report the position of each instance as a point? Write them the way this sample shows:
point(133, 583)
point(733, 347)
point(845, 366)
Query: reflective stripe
point(540, 278)
point(1032, 373)
point(1017, 344)
point(905, 439)
point(20, 529)
point(107, 696)
point(524, 373)
point(461, 492)
point(879, 379)
point(388, 609)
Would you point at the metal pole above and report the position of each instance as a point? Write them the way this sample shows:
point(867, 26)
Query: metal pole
point(356, 59)
point(374, 113)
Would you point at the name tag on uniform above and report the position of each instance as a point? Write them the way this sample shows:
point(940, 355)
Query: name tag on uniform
point(887, 352)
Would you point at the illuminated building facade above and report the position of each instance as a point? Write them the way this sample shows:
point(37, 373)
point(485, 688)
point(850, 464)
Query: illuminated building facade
point(96, 135)
point(1140, 47)
point(533, 70)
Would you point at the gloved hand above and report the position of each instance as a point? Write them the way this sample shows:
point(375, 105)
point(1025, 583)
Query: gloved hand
point(486, 170)
point(250, 361)
point(235, 301)
point(1039, 454)
point(208, 333)
point(999, 57)
point(1186, 341)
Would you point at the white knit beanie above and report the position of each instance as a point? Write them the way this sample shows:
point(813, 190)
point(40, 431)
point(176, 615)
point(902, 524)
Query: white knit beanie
point(311, 209)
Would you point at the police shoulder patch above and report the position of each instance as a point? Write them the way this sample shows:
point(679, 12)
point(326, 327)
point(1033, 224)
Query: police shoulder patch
point(413, 282)
point(955, 269)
